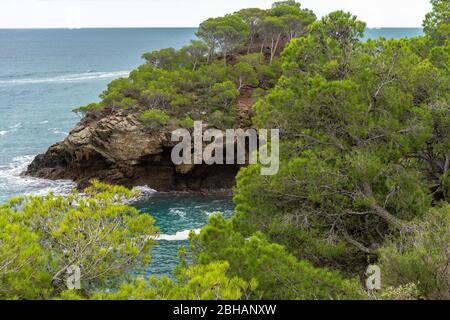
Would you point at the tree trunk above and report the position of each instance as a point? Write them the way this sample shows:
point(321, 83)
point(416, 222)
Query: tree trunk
point(210, 55)
point(241, 84)
point(262, 46)
point(274, 47)
point(250, 45)
point(382, 212)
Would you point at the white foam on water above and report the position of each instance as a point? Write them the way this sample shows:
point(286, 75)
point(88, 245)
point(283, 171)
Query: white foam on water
point(58, 131)
point(181, 212)
point(179, 236)
point(10, 129)
point(76, 77)
point(16, 126)
point(11, 180)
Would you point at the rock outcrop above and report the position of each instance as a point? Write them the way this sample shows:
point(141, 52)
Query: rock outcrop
point(117, 149)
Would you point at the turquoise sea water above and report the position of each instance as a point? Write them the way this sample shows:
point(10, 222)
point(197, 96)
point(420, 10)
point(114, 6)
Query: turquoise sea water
point(176, 215)
point(44, 74)
point(392, 33)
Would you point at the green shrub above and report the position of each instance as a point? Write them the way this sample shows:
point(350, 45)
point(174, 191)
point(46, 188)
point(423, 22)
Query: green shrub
point(187, 122)
point(40, 238)
point(421, 257)
point(125, 103)
point(259, 93)
point(222, 120)
point(408, 291)
point(278, 274)
point(89, 107)
point(199, 282)
point(154, 118)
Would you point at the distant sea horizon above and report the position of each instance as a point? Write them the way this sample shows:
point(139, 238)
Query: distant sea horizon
point(168, 27)
point(370, 32)
point(414, 30)
point(394, 33)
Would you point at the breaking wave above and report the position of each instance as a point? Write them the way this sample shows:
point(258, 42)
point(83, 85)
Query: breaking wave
point(75, 77)
point(179, 236)
point(13, 184)
point(10, 129)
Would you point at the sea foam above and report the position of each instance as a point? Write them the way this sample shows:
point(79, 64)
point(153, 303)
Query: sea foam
point(12, 183)
point(75, 77)
point(179, 236)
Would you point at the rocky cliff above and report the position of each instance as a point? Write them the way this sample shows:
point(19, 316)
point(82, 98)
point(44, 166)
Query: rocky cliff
point(117, 149)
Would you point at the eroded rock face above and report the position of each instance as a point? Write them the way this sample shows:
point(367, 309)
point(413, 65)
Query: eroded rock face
point(117, 149)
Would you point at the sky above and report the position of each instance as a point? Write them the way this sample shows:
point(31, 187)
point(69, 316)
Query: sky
point(188, 13)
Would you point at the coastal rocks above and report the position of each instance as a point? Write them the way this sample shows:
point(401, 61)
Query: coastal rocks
point(117, 149)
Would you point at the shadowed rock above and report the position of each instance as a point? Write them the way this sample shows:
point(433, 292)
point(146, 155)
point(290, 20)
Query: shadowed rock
point(117, 149)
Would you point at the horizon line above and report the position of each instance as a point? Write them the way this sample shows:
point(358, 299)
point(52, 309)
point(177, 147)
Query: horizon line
point(161, 27)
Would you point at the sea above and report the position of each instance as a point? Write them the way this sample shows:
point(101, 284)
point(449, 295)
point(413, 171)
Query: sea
point(46, 73)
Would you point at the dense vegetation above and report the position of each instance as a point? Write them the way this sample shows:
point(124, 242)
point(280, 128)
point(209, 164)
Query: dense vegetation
point(364, 175)
point(234, 57)
point(42, 237)
point(366, 139)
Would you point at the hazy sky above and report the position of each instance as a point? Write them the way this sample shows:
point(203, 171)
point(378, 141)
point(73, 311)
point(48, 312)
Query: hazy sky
point(188, 13)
